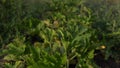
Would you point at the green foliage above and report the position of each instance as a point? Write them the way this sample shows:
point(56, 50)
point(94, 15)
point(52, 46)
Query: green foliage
point(105, 20)
point(57, 33)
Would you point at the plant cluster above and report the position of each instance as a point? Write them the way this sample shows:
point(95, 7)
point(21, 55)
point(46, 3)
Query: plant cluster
point(57, 33)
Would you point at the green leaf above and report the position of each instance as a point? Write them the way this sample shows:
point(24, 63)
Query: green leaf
point(64, 59)
point(91, 54)
point(10, 57)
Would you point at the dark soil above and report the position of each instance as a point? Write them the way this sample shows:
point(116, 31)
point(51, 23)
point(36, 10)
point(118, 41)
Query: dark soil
point(109, 63)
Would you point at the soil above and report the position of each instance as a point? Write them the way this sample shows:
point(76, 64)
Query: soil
point(109, 63)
